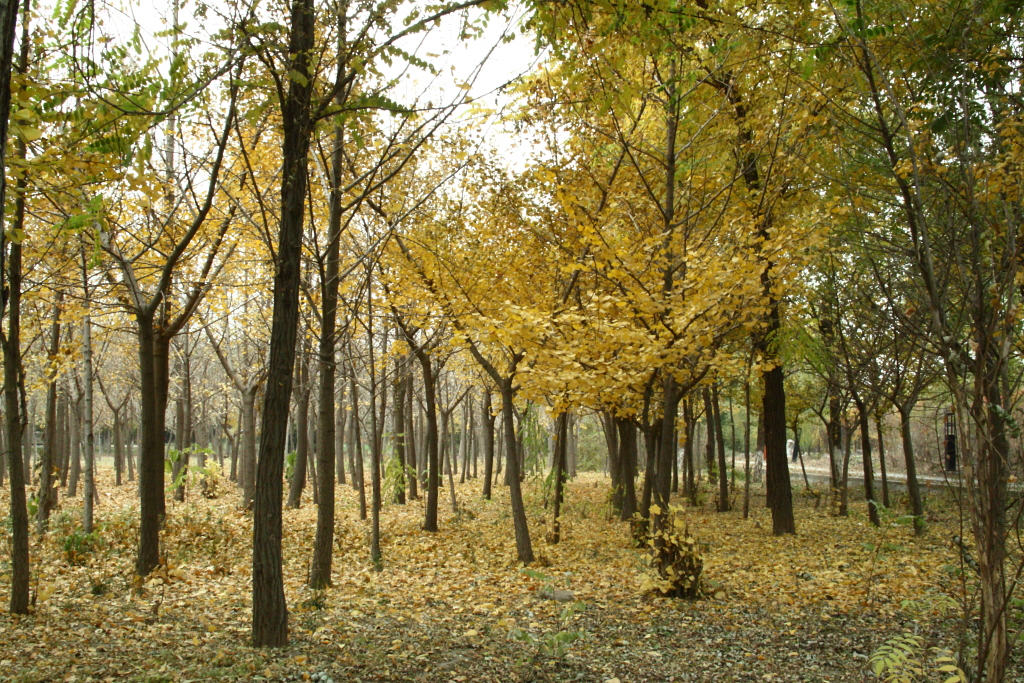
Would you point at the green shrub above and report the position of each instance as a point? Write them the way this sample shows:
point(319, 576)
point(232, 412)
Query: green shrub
point(78, 546)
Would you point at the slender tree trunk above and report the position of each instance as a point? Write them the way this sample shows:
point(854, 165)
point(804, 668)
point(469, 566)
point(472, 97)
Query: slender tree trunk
point(75, 430)
point(49, 467)
point(709, 437)
point(723, 477)
point(63, 452)
point(118, 437)
point(413, 454)
point(357, 446)
point(627, 464)
point(487, 422)
point(611, 439)
point(561, 443)
point(433, 474)
point(774, 411)
point(340, 425)
point(11, 342)
point(524, 548)
point(89, 479)
point(376, 427)
point(270, 613)
point(311, 440)
point(732, 445)
point(865, 444)
point(652, 437)
point(881, 462)
point(247, 456)
point(844, 479)
point(746, 450)
point(398, 428)
point(353, 420)
point(689, 466)
point(914, 491)
point(298, 481)
point(666, 451)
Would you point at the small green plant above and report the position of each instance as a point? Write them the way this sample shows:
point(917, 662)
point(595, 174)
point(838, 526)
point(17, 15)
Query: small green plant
point(289, 464)
point(210, 480)
point(395, 477)
point(555, 642)
point(78, 546)
point(901, 660)
point(904, 658)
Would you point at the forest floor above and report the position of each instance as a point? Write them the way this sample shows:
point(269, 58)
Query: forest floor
point(456, 606)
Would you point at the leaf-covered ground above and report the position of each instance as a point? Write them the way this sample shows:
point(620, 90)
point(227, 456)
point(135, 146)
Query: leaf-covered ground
point(456, 606)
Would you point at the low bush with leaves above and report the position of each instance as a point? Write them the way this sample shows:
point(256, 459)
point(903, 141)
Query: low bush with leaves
point(675, 557)
point(907, 657)
point(904, 659)
point(79, 546)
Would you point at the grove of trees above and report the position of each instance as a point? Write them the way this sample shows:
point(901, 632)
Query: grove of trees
point(302, 243)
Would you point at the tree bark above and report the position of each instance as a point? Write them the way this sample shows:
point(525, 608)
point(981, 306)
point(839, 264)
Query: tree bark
point(433, 465)
point(357, 445)
point(298, 481)
point(865, 445)
point(398, 427)
point(881, 462)
point(412, 452)
point(524, 549)
point(11, 342)
point(627, 466)
point(270, 613)
point(723, 477)
point(49, 469)
point(89, 478)
point(914, 491)
point(561, 443)
point(487, 422)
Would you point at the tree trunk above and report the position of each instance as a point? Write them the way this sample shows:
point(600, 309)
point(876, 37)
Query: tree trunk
point(524, 549)
point(627, 466)
point(487, 422)
point(11, 342)
point(914, 491)
point(340, 425)
point(774, 410)
point(844, 479)
point(118, 437)
point(311, 440)
point(412, 452)
point(865, 444)
point(357, 445)
point(652, 437)
point(49, 467)
point(561, 444)
point(689, 466)
point(746, 450)
point(75, 432)
point(376, 427)
point(298, 481)
point(433, 474)
point(270, 613)
point(666, 451)
point(398, 428)
point(723, 476)
point(881, 462)
point(153, 359)
point(710, 460)
point(89, 479)
point(611, 439)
